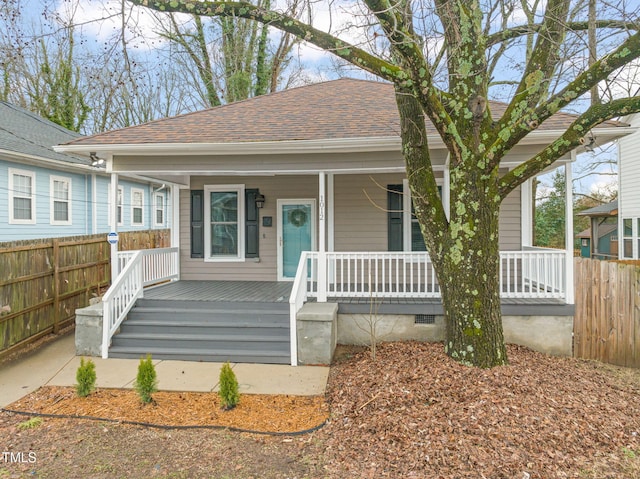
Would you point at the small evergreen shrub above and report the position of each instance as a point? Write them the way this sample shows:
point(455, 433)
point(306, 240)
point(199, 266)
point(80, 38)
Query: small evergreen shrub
point(146, 381)
point(228, 391)
point(86, 378)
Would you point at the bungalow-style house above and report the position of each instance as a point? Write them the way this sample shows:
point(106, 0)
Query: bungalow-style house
point(628, 191)
point(294, 222)
point(46, 193)
point(604, 227)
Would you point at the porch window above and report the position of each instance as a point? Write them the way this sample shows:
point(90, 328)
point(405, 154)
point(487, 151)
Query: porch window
point(137, 202)
point(224, 207)
point(22, 197)
point(60, 200)
point(158, 205)
point(402, 221)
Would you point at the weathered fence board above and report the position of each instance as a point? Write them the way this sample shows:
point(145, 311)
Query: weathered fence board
point(607, 315)
point(43, 282)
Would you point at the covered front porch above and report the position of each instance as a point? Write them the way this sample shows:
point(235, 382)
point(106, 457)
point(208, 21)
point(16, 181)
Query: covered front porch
point(397, 285)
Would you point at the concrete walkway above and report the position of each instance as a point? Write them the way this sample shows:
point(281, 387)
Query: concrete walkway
point(56, 363)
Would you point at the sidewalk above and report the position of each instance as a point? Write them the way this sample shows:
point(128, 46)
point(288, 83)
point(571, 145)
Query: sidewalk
point(56, 363)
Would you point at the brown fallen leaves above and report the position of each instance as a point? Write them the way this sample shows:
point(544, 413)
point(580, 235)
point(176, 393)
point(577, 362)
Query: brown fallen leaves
point(416, 413)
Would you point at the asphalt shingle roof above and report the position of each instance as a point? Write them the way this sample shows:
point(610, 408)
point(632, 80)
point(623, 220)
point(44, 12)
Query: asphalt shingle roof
point(25, 133)
point(338, 109)
point(607, 209)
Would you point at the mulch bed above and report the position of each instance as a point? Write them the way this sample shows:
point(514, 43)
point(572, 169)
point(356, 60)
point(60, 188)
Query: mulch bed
point(261, 413)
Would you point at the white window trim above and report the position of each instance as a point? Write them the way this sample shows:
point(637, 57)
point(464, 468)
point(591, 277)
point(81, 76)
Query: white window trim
point(32, 175)
point(155, 209)
point(62, 179)
point(208, 189)
point(111, 203)
point(134, 206)
point(406, 211)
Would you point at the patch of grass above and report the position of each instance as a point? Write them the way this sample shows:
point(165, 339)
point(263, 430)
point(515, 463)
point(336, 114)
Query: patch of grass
point(32, 423)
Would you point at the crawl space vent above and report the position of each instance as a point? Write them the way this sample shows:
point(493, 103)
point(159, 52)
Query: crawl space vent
point(425, 319)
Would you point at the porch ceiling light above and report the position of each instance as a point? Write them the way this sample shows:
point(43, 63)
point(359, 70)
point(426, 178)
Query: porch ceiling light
point(259, 200)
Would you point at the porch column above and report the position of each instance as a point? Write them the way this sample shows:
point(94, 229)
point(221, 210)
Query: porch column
point(175, 216)
point(322, 232)
point(526, 207)
point(113, 225)
point(569, 241)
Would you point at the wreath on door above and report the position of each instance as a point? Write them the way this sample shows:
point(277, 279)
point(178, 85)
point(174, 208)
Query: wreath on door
point(298, 217)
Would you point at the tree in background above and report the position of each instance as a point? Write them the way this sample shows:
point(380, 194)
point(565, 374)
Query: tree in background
point(452, 90)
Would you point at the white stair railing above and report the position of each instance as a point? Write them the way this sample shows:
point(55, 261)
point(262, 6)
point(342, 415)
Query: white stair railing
point(138, 269)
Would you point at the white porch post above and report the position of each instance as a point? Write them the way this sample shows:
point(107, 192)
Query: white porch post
point(568, 185)
point(322, 231)
point(94, 204)
point(175, 216)
point(113, 226)
point(526, 216)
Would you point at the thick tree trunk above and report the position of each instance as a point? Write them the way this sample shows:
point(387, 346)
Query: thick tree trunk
point(470, 288)
point(464, 248)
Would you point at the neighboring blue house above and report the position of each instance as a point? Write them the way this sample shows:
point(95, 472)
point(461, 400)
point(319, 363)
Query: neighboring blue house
point(604, 226)
point(46, 194)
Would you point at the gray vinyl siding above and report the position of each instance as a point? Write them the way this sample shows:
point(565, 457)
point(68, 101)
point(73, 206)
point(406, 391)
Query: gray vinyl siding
point(510, 222)
point(252, 269)
point(629, 174)
point(360, 220)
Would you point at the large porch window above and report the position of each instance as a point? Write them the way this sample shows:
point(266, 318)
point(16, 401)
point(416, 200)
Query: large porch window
point(224, 210)
point(403, 228)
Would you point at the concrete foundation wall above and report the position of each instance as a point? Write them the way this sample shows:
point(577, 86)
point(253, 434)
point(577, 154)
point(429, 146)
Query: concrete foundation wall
point(89, 330)
point(547, 334)
point(316, 333)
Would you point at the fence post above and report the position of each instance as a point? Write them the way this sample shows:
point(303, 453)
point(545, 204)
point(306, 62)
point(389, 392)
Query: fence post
point(56, 285)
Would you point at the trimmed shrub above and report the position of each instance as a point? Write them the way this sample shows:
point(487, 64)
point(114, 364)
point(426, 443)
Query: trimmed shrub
point(146, 381)
point(86, 378)
point(228, 391)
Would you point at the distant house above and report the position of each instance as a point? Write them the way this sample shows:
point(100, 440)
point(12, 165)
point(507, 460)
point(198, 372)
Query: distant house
point(604, 226)
point(44, 193)
point(629, 191)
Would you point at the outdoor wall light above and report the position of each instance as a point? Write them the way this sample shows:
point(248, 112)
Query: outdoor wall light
point(259, 200)
point(95, 161)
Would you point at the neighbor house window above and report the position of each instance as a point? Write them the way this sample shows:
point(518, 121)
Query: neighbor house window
point(119, 204)
point(60, 200)
point(224, 213)
point(627, 237)
point(137, 203)
point(22, 200)
point(158, 209)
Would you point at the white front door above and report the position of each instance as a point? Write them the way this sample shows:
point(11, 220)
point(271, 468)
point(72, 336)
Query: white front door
point(296, 233)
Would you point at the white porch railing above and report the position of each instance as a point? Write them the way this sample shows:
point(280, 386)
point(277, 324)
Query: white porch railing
point(137, 269)
point(535, 273)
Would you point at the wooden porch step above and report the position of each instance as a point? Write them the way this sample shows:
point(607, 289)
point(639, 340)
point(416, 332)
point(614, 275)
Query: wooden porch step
point(205, 331)
point(202, 355)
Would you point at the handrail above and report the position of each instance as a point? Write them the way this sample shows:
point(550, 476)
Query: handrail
point(120, 298)
point(139, 269)
point(297, 298)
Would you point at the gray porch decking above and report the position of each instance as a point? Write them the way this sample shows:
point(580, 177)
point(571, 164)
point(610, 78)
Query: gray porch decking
point(279, 292)
point(248, 321)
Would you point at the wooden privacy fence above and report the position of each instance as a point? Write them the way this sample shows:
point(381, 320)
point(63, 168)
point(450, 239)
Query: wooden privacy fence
point(43, 282)
point(607, 314)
